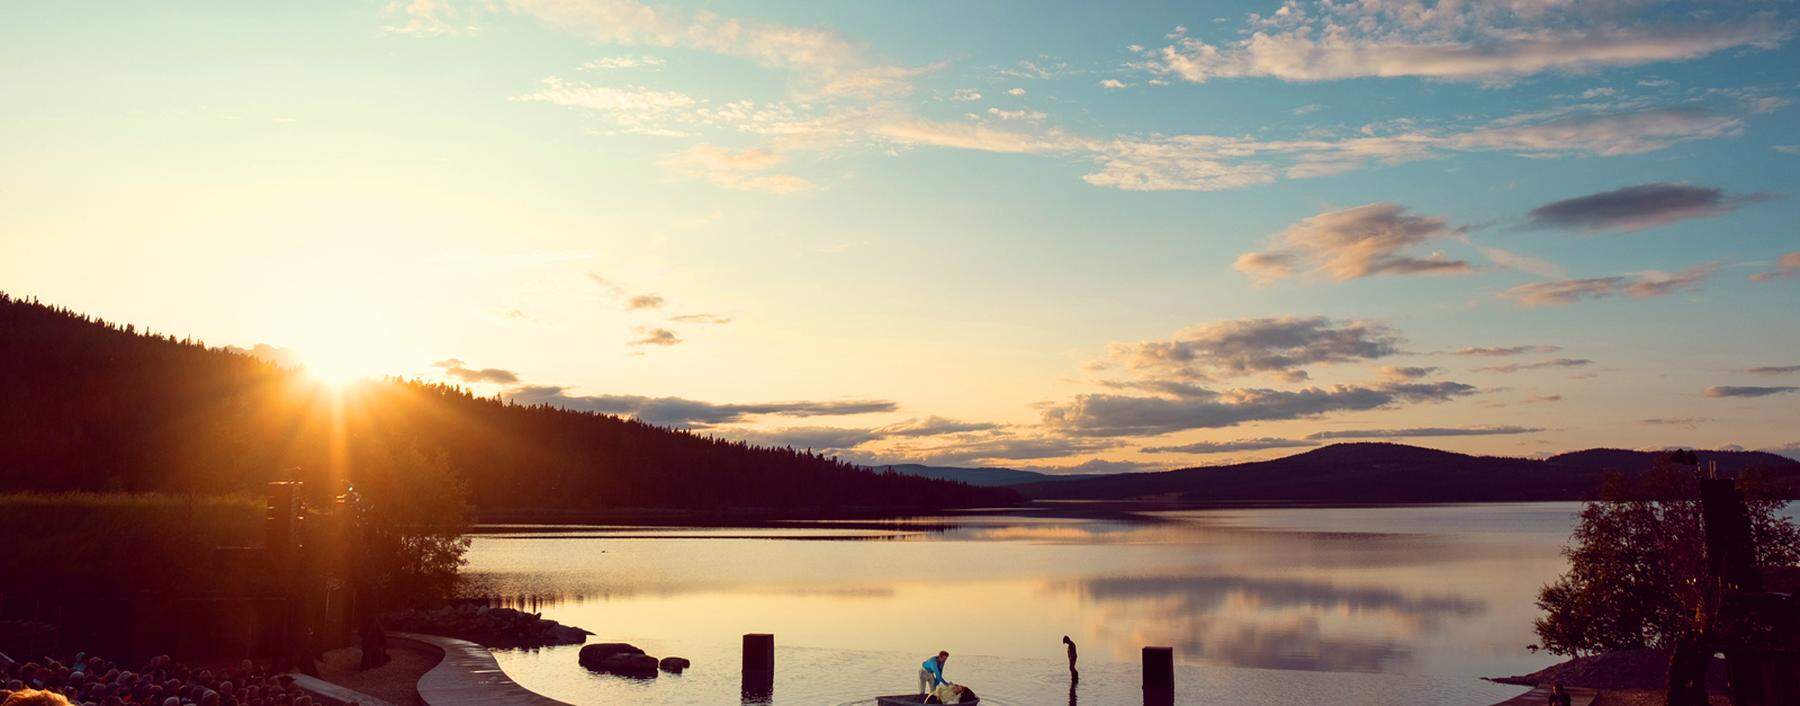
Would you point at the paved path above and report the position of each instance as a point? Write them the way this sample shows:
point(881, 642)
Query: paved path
point(334, 694)
point(1541, 695)
point(469, 676)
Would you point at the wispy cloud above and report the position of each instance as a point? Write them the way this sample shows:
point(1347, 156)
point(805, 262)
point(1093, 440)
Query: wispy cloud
point(1279, 346)
point(1494, 351)
point(700, 319)
point(1638, 207)
point(1354, 243)
point(1787, 266)
point(652, 336)
point(1552, 363)
point(1637, 286)
point(824, 63)
point(744, 170)
point(1774, 370)
point(1486, 42)
point(1106, 415)
point(457, 369)
point(610, 63)
point(677, 411)
point(1748, 390)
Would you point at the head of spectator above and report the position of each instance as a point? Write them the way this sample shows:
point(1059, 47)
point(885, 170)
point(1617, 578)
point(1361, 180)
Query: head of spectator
point(35, 697)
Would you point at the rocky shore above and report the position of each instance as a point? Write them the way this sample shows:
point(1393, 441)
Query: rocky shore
point(490, 627)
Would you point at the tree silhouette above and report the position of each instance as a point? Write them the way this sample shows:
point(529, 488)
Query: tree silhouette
point(89, 405)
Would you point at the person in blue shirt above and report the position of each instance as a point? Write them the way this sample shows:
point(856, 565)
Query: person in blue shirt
point(931, 673)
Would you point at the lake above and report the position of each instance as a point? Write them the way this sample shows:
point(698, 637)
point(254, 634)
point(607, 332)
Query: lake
point(1339, 605)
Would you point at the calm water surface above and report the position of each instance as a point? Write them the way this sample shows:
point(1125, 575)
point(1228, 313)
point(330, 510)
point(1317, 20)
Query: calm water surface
point(1273, 606)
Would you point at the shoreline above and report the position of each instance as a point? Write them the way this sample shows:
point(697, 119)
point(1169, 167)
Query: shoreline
point(515, 520)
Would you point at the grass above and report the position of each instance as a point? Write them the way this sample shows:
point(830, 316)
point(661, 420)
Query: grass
point(92, 543)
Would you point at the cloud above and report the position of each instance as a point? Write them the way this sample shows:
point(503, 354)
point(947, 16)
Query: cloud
point(1354, 243)
point(932, 426)
point(744, 170)
point(700, 319)
point(1522, 263)
point(1026, 115)
point(1495, 351)
point(1015, 91)
point(965, 94)
point(609, 63)
point(1214, 162)
point(1401, 372)
point(1637, 207)
point(1214, 447)
point(1037, 69)
point(631, 302)
point(1552, 363)
point(1242, 346)
point(650, 336)
point(1787, 266)
point(455, 368)
point(428, 18)
point(1421, 431)
point(1120, 415)
point(1114, 84)
point(824, 63)
point(1748, 390)
point(1486, 42)
point(1774, 369)
point(1689, 422)
point(626, 109)
point(676, 411)
point(1637, 286)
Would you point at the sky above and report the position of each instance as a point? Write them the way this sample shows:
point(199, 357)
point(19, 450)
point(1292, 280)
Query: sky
point(1062, 236)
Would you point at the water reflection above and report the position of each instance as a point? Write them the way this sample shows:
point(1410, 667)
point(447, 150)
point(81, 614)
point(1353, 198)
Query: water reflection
point(1442, 593)
point(1273, 623)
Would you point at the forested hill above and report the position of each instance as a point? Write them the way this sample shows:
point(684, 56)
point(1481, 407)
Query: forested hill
point(88, 405)
point(1398, 473)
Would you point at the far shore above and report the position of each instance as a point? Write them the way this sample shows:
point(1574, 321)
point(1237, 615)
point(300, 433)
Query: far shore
point(513, 520)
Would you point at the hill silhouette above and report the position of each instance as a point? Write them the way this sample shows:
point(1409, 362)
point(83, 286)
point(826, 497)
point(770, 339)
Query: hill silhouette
point(92, 406)
point(980, 476)
point(1398, 473)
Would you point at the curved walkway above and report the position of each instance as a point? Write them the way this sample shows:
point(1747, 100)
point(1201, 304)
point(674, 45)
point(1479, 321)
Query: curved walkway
point(469, 676)
point(1541, 695)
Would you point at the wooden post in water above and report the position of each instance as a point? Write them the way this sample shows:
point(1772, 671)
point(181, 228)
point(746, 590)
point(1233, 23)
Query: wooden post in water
point(1159, 676)
point(759, 666)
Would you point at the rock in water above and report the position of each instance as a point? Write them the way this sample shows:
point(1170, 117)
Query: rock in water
point(593, 655)
point(674, 664)
point(630, 665)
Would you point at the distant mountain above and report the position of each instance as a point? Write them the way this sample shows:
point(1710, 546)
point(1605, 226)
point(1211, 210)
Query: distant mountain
point(1383, 473)
point(90, 405)
point(984, 477)
point(1629, 460)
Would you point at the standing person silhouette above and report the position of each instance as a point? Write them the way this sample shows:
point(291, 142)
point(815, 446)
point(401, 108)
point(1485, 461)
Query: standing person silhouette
point(1074, 676)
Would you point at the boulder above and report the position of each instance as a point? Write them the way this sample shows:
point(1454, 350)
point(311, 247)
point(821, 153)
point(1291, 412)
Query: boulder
point(674, 664)
point(629, 665)
point(593, 655)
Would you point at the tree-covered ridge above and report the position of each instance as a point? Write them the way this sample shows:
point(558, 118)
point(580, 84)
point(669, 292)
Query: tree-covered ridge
point(91, 405)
